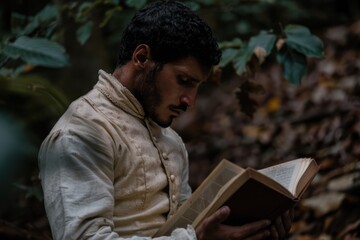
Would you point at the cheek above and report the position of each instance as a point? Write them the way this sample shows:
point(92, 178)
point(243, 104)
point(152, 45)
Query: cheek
point(169, 93)
point(171, 97)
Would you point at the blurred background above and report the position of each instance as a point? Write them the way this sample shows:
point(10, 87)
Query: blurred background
point(254, 116)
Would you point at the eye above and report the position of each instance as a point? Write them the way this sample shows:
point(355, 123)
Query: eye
point(185, 81)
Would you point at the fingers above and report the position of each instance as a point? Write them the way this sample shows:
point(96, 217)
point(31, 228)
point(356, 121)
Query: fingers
point(256, 230)
point(222, 214)
point(280, 228)
point(282, 225)
point(287, 219)
point(212, 223)
point(212, 228)
point(258, 236)
point(274, 233)
point(218, 217)
point(292, 213)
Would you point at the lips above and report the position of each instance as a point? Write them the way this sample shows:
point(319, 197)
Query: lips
point(177, 112)
point(178, 109)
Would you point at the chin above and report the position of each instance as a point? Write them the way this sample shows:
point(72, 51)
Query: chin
point(163, 123)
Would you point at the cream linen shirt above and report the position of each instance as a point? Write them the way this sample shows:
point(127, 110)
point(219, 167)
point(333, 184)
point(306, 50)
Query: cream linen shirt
point(108, 172)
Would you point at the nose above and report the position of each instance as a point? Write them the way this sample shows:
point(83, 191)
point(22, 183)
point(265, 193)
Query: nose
point(189, 97)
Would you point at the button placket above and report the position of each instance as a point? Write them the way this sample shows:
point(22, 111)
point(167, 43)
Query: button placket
point(172, 178)
point(164, 155)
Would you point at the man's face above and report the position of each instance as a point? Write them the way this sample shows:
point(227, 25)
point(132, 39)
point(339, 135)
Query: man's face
point(167, 92)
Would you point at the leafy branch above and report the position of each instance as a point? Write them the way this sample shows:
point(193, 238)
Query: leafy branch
point(291, 49)
point(35, 44)
point(38, 44)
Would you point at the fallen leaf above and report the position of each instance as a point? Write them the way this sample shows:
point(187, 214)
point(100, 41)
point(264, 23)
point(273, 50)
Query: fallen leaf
point(345, 182)
point(324, 203)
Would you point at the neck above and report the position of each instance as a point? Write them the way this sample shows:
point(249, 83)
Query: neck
point(126, 76)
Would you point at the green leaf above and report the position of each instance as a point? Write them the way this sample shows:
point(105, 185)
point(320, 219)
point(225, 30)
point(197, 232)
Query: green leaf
point(84, 32)
point(136, 3)
point(113, 2)
point(227, 56)
point(300, 38)
point(69, 6)
point(192, 5)
point(206, 2)
point(40, 89)
point(109, 13)
point(50, 14)
point(235, 43)
point(240, 61)
point(84, 10)
point(296, 29)
point(17, 22)
point(37, 51)
point(264, 40)
point(294, 65)
point(6, 72)
point(3, 57)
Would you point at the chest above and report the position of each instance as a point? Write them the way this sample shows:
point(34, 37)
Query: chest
point(148, 165)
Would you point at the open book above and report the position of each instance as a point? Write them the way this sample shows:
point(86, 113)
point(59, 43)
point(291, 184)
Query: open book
point(251, 194)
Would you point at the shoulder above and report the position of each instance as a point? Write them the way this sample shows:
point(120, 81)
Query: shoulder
point(81, 117)
point(80, 123)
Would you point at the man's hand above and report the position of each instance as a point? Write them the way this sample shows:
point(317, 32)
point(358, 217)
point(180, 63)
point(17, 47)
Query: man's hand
point(281, 226)
point(212, 227)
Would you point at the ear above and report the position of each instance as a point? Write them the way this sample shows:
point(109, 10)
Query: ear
point(141, 56)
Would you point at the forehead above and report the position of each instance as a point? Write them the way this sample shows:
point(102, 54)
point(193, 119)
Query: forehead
point(190, 67)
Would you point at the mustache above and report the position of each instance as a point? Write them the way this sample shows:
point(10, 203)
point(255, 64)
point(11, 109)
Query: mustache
point(182, 107)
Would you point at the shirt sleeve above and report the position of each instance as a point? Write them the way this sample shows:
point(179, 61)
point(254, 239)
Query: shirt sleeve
point(76, 172)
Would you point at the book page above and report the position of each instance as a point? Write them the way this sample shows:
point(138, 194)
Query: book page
point(202, 197)
point(287, 174)
point(207, 196)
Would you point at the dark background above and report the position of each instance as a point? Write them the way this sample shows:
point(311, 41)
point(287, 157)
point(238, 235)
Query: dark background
point(318, 118)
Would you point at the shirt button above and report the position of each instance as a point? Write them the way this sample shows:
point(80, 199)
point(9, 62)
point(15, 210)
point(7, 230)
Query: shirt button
point(155, 139)
point(165, 156)
point(172, 177)
point(173, 198)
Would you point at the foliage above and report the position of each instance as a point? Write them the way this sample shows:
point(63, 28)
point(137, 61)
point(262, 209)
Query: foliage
point(293, 44)
point(36, 51)
point(33, 43)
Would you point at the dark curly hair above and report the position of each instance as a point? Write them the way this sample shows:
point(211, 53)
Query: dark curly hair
point(172, 31)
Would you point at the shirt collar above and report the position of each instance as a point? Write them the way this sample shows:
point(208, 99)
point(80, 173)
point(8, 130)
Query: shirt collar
point(119, 94)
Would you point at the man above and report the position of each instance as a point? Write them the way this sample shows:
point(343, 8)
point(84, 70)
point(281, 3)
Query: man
point(112, 168)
